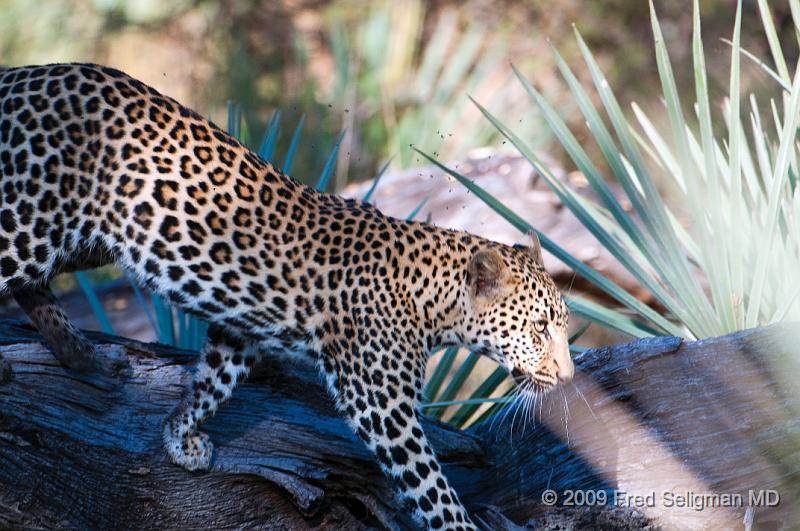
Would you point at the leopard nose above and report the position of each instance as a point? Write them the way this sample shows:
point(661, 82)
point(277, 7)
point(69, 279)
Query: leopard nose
point(565, 373)
point(565, 369)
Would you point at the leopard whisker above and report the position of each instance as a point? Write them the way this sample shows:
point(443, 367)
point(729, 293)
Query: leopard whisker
point(526, 408)
point(566, 414)
point(583, 397)
point(530, 406)
point(516, 405)
point(501, 416)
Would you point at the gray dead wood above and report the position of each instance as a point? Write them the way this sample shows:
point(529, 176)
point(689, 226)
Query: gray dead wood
point(84, 451)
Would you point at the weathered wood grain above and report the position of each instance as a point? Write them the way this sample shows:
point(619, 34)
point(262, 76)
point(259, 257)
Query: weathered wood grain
point(84, 451)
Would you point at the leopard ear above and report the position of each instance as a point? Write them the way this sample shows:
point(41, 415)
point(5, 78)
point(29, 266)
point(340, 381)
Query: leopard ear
point(485, 272)
point(535, 247)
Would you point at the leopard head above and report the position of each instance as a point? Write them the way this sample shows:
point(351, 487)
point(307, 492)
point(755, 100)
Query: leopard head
point(514, 314)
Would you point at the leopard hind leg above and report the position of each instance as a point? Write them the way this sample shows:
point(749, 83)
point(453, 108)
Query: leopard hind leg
point(67, 343)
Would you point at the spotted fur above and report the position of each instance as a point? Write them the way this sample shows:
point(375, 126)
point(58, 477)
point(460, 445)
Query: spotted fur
point(99, 168)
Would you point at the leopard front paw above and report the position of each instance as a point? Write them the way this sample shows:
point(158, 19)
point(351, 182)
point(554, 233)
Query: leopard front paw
point(191, 451)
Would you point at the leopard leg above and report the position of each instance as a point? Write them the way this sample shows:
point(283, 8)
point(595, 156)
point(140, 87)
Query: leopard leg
point(68, 344)
point(391, 429)
point(226, 362)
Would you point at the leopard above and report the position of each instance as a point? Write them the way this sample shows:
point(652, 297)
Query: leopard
point(99, 168)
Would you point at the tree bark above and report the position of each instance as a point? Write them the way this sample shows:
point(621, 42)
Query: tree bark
point(80, 451)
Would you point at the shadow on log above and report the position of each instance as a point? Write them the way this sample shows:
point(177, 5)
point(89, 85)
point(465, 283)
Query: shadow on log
point(654, 416)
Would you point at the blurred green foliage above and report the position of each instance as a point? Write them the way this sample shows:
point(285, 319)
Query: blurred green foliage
point(725, 254)
point(388, 73)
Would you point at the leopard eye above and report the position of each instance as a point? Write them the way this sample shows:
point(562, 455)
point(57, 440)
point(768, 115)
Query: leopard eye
point(541, 328)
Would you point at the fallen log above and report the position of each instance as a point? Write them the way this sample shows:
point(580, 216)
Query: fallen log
point(82, 451)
